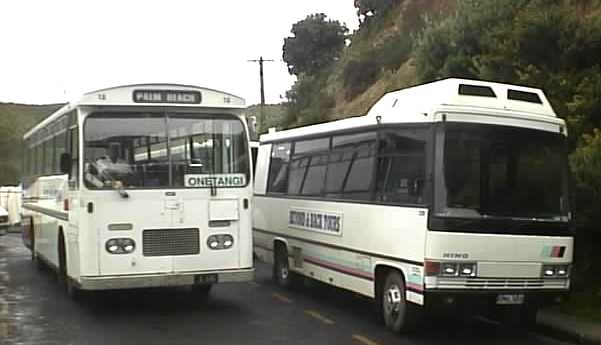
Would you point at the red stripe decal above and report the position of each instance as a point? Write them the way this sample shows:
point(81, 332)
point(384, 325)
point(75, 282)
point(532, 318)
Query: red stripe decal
point(339, 268)
point(414, 287)
point(555, 251)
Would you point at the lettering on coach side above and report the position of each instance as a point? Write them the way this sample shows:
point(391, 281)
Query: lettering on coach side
point(215, 180)
point(321, 221)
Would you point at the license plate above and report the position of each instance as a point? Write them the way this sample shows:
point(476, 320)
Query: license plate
point(510, 299)
point(201, 279)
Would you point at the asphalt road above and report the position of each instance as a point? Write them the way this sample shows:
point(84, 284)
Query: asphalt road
point(35, 310)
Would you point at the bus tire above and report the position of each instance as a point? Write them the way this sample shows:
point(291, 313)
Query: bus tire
point(69, 285)
point(399, 315)
point(282, 275)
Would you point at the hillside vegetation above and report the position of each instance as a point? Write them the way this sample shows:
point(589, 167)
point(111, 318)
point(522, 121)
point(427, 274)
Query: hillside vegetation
point(15, 120)
point(554, 45)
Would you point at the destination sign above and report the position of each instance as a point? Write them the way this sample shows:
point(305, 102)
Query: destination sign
point(167, 96)
point(215, 180)
point(315, 220)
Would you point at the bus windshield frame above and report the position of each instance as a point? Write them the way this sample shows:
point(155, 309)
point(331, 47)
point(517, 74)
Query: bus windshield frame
point(154, 149)
point(500, 179)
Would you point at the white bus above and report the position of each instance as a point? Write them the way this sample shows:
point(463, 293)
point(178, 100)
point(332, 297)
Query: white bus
point(141, 186)
point(447, 193)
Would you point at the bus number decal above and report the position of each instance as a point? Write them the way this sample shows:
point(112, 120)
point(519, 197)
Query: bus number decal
point(320, 221)
point(215, 180)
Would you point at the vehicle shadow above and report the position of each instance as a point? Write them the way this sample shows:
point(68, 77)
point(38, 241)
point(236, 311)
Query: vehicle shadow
point(459, 327)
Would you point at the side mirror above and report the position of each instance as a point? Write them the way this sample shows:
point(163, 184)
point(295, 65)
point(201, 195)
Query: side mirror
point(66, 163)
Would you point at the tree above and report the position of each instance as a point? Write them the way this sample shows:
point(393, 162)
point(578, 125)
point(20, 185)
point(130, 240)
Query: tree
point(373, 8)
point(315, 43)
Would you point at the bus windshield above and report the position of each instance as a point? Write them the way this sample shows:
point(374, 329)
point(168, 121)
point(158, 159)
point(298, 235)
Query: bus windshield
point(155, 150)
point(489, 171)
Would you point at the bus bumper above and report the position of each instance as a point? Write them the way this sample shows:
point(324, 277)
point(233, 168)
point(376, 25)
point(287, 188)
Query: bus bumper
point(166, 280)
point(471, 301)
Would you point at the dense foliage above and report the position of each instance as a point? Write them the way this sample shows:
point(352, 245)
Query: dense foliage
point(15, 119)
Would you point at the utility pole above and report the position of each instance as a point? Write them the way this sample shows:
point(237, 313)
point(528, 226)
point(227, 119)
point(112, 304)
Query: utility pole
point(261, 110)
point(260, 61)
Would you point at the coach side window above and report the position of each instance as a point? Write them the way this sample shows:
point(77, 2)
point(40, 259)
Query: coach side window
point(316, 152)
point(307, 167)
point(351, 166)
point(401, 166)
point(278, 168)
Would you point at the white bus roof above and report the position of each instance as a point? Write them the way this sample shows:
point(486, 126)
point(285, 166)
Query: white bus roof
point(159, 95)
point(478, 101)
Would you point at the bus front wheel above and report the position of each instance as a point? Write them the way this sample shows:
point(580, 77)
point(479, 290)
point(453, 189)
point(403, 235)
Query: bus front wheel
point(398, 314)
point(72, 291)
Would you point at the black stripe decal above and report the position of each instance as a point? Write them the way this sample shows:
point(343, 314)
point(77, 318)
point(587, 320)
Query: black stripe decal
point(49, 212)
point(323, 244)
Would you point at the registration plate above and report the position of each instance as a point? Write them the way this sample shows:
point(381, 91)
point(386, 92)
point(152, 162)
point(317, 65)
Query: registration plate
point(510, 299)
point(202, 279)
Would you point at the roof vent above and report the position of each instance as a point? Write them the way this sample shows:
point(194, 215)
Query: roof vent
point(523, 96)
point(476, 90)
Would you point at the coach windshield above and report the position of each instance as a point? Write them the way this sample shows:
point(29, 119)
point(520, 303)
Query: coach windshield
point(490, 172)
point(153, 150)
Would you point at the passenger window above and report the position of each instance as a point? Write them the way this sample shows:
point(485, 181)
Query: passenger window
point(401, 166)
point(351, 166)
point(278, 168)
point(297, 174)
point(315, 176)
point(361, 172)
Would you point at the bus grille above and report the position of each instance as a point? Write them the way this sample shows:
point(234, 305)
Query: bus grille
point(502, 283)
point(167, 242)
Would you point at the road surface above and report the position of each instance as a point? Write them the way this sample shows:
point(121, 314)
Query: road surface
point(35, 310)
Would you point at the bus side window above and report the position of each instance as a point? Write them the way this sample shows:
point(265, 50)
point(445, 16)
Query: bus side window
point(401, 166)
point(278, 168)
point(74, 152)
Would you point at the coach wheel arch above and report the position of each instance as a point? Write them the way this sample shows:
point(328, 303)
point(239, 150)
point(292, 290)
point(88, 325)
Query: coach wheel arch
point(395, 311)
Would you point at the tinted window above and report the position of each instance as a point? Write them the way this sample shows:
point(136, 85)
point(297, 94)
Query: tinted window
point(278, 168)
point(315, 176)
point(307, 146)
point(351, 166)
point(60, 147)
point(298, 167)
point(402, 166)
point(49, 156)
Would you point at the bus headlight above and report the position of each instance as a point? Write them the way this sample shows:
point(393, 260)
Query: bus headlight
point(448, 269)
point(120, 245)
point(451, 269)
point(223, 241)
point(467, 270)
point(550, 271)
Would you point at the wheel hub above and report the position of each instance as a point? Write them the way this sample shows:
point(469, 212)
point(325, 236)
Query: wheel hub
point(393, 299)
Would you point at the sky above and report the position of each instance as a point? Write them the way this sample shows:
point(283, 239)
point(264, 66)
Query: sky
point(54, 51)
